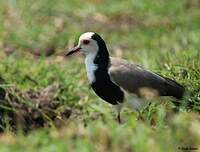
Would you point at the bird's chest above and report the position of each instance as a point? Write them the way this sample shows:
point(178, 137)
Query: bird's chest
point(100, 81)
point(108, 91)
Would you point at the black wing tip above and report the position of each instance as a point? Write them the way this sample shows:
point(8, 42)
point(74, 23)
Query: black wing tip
point(175, 89)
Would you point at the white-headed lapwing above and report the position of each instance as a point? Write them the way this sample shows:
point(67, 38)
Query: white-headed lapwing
point(117, 80)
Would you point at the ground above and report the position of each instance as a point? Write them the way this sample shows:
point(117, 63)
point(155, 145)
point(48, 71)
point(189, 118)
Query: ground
point(46, 102)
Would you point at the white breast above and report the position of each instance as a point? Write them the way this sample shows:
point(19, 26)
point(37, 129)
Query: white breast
point(90, 66)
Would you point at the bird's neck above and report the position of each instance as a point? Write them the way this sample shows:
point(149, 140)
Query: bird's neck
point(97, 67)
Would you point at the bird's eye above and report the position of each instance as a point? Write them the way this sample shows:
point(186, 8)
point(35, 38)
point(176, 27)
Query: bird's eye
point(86, 42)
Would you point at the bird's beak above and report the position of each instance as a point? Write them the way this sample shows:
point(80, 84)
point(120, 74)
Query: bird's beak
point(73, 50)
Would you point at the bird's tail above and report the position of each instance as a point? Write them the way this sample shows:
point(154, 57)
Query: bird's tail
point(174, 89)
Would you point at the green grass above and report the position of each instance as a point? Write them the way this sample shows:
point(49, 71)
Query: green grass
point(163, 36)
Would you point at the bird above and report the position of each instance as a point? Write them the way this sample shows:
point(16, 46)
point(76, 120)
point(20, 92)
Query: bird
point(118, 81)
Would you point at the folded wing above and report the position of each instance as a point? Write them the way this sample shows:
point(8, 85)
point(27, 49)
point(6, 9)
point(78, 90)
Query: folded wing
point(135, 79)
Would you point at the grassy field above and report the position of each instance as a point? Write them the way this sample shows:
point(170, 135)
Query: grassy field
point(46, 104)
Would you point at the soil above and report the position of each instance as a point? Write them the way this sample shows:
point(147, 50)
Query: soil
point(31, 109)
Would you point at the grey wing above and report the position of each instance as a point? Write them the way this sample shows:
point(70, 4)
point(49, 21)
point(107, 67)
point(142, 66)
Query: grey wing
point(135, 79)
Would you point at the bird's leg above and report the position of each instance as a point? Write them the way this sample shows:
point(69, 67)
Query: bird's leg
point(140, 117)
point(119, 107)
point(119, 118)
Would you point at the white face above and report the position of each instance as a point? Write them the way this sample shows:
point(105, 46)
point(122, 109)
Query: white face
point(87, 45)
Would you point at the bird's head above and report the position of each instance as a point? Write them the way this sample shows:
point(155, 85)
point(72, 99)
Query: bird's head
point(89, 43)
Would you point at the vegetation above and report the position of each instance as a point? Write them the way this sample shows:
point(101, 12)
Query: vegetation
point(46, 102)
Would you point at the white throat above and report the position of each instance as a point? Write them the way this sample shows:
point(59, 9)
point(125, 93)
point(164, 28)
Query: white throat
point(90, 66)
